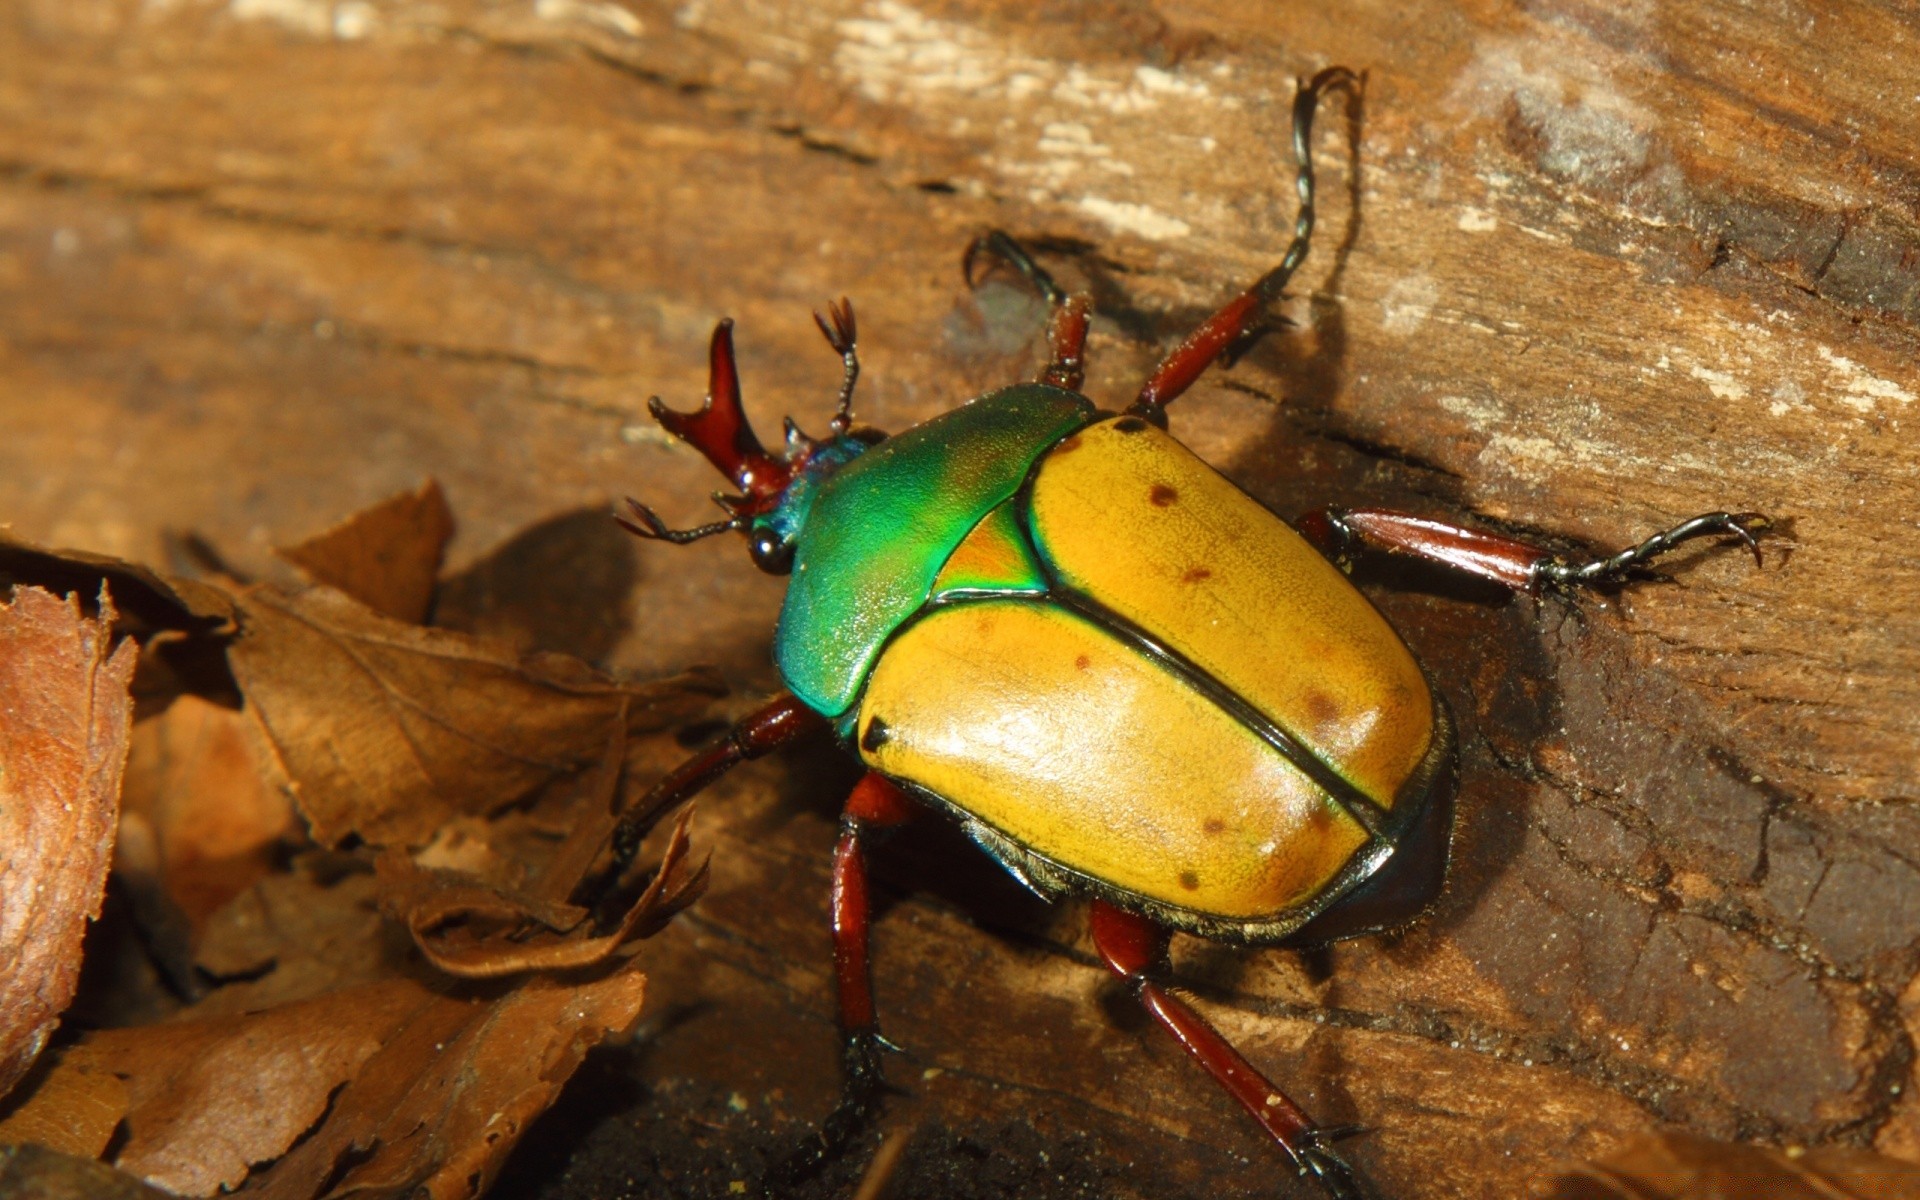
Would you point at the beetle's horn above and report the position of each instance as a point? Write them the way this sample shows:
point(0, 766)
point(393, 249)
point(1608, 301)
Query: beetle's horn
point(719, 429)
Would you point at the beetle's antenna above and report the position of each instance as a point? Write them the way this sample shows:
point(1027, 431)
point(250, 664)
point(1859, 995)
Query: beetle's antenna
point(647, 524)
point(842, 335)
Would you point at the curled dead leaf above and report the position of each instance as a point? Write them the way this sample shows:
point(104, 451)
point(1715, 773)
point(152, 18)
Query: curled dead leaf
point(63, 746)
point(1681, 1166)
point(478, 931)
point(145, 600)
point(386, 556)
point(388, 730)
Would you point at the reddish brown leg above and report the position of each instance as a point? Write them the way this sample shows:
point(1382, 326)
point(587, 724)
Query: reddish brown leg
point(780, 721)
point(1067, 339)
point(1135, 949)
point(875, 803)
point(1244, 312)
point(1066, 329)
point(1508, 561)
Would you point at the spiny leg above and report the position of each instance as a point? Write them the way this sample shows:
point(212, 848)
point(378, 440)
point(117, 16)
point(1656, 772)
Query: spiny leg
point(1508, 561)
point(1066, 327)
point(1241, 315)
point(1135, 949)
point(875, 803)
point(996, 244)
point(782, 720)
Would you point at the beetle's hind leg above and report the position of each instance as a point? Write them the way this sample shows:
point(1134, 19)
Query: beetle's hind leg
point(1066, 328)
point(1509, 561)
point(875, 803)
point(1135, 949)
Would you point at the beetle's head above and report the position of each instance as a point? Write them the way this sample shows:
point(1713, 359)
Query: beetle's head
point(776, 490)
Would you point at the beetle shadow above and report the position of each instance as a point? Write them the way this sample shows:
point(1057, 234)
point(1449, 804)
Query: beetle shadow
point(929, 856)
point(561, 584)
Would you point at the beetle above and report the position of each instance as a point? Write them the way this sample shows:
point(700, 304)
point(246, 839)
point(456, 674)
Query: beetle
point(1122, 676)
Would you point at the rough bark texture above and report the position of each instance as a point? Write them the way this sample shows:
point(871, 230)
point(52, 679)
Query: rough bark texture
point(266, 261)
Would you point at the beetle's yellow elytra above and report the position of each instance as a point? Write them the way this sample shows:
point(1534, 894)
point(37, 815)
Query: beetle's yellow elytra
point(1069, 740)
point(1137, 521)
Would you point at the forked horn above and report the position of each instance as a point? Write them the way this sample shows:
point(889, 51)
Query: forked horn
point(719, 429)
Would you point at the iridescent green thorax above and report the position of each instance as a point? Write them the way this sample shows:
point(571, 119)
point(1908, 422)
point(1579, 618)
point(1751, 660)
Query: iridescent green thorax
point(878, 530)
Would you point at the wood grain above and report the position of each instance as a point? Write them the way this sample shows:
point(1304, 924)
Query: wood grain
point(264, 262)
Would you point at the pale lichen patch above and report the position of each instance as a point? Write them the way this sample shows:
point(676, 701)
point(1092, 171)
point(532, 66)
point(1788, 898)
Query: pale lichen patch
point(1476, 220)
point(610, 17)
point(1137, 219)
point(1862, 389)
point(1723, 385)
point(1408, 304)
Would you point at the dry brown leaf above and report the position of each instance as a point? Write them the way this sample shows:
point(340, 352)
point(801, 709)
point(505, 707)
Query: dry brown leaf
point(1681, 1166)
point(36, 1173)
point(388, 730)
point(63, 745)
point(478, 931)
point(145, 599)
point(436, 1112)
point(308, 931)
point(387, 556)
point(194, 776)
point(70, 1107)
point(211, 1097)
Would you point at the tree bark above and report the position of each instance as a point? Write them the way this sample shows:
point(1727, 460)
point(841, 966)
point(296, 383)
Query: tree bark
point(1582, 271)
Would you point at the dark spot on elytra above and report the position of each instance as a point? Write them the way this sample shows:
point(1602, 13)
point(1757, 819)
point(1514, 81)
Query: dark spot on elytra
point(1161, 495)
point(1196, 575)
point(1324, 709)
point(1069, 444)
point(1214, 825)
point(1084, 662)
point(876, 735)
point(1129, 425)
point(1190, 881)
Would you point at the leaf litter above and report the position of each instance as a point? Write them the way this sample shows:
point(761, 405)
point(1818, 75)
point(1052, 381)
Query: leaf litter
point(352, 842)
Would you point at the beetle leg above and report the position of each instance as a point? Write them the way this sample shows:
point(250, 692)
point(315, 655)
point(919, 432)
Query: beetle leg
point(1067, 341)
point(1066, 329)
point(781, 720)
point(1508, 561)
point(1243, 314)
point(1135, 949)
point(999, 244)
point(875, 803)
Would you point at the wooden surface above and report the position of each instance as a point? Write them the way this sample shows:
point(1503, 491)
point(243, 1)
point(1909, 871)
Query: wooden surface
point(264, 262)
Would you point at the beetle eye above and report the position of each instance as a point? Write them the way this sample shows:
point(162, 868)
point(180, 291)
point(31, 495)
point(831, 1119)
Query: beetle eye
point(771, 553)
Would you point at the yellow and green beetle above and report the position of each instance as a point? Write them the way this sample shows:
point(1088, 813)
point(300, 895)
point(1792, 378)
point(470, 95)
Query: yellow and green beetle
point(1123, 676)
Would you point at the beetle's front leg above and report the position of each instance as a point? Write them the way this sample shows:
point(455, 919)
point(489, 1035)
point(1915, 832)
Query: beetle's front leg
point(875, 803)
point(1135, 949)
point(782, 720)
point(1066, 328)
point(1508, 561)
